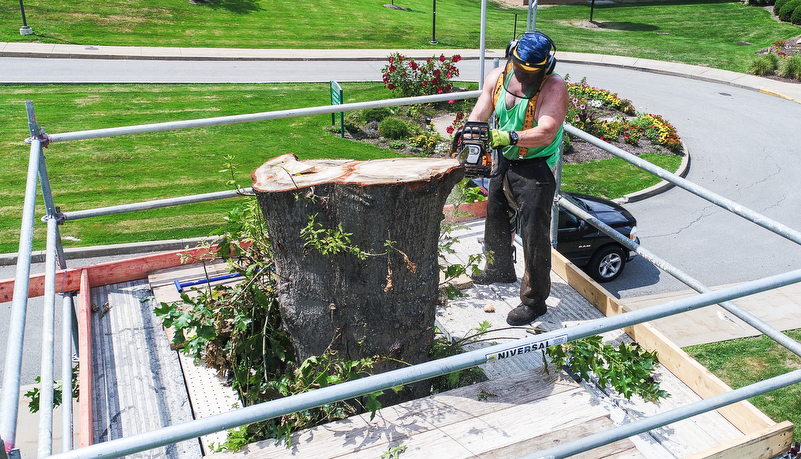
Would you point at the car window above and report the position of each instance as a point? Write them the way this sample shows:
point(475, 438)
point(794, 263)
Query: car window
point(567, 220)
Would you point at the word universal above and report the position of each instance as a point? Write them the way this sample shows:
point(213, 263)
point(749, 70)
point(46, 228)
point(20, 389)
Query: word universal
point(526, 348)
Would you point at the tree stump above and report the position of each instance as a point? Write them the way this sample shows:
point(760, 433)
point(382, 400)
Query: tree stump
point(381, 305)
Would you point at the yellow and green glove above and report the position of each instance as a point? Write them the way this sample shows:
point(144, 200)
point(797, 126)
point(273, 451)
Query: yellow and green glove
point(499, 138)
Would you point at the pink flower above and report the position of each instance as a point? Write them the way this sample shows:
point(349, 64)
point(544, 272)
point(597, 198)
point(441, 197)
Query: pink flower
point(452, 101)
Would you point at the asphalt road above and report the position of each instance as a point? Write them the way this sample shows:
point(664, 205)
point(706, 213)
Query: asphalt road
point(742, 145)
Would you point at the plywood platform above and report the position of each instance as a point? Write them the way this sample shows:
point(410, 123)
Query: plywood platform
point(507, 417)
point(520, 410)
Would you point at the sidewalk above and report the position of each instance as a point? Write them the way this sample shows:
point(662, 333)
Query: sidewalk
point(790, 91)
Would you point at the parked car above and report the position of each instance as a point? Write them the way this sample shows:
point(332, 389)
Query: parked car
point(599, 255)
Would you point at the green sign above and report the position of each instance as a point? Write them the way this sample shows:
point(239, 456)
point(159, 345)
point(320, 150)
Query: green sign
point(336, 99)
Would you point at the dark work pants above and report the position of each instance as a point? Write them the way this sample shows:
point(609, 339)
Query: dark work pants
point(532, 185)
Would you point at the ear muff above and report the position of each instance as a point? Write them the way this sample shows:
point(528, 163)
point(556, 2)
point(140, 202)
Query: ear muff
point(550, 62)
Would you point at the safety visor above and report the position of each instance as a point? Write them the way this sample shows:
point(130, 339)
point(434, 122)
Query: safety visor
point(527, 66)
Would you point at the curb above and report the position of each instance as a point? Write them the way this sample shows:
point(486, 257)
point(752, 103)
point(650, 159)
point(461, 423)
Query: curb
point(661, 187)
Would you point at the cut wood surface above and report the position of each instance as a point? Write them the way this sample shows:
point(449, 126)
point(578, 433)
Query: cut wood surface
point(277, 173)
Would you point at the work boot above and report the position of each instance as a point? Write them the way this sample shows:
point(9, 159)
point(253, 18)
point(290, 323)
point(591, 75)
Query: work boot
point(524, 315)
point(491, 276)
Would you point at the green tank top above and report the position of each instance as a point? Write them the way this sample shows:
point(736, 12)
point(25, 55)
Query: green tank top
point(512, 120)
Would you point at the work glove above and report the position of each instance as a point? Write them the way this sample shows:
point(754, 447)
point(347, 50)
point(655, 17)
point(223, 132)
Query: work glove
point(498, 138)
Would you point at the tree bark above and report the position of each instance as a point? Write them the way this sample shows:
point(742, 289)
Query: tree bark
point(384, 304)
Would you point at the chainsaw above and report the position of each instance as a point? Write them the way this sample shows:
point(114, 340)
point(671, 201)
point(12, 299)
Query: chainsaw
point(471, 146)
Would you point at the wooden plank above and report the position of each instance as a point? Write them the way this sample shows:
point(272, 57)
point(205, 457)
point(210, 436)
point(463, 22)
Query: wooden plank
point(764, 444)
point(85, 362)
point(743, 415)
point(619, 449)
point(472, 421)
point(103, 273)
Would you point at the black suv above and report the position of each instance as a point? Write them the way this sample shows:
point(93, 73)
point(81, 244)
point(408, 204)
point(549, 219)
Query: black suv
point(599, 255)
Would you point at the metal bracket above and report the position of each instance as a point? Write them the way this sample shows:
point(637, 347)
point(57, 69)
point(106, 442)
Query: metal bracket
point(59, 216)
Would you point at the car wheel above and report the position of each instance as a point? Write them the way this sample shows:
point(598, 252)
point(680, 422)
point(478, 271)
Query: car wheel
point(607, 263)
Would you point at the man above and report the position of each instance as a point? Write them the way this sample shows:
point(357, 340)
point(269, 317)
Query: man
point(529, 103)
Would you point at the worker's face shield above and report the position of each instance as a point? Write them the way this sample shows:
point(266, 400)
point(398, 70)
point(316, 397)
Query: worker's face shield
point(529, 78)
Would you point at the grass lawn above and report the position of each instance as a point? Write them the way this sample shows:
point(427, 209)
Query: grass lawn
point(704, 33)
point(744, 361)
point(117, 170)
point(103, 172)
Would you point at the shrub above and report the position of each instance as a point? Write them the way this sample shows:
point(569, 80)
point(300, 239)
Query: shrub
point(760, 2)
point(393, 128)
point(778, 6)
point(787, 10)
point(764, 65)
point(376, 114)
point(409, 78)
point(352, 121)
point(791, 68)
point(795, 18)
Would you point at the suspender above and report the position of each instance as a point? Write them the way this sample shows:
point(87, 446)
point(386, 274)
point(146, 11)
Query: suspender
point(531, 108)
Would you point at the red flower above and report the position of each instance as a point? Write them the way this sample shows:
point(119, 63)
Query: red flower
point(448, 87)
point(390, 86)
point(439, 90)
point(457, 58)
point(449, 130)
point(437, 72)
point(442, 58)
point(392, 69)
point(413, 65)
point(391, 59)
point(449, 75)
point(425, 83)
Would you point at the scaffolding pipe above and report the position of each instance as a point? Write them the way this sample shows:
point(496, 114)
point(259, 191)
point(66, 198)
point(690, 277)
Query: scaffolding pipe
point(710, 196)
point(47, 197)
point(45, 442)
point(9, 403)
point(101, 211)
point(274, 115)
point(67, 313)
point(407, 375)
point(752, 320)
point(482, 45)
point(644, 425)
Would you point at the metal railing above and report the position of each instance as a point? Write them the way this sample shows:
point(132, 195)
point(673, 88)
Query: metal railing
point(264, 411)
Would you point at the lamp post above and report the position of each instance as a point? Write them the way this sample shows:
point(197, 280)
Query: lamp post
point(433, 25)
point(24, 30)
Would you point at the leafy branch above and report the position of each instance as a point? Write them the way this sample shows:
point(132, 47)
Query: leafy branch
point(627, 369)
